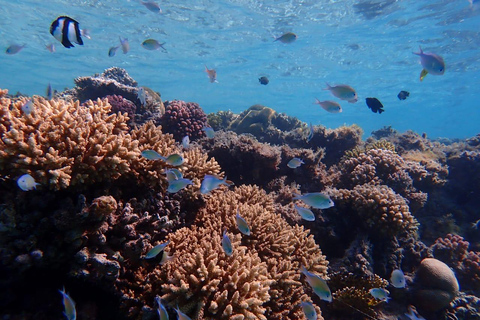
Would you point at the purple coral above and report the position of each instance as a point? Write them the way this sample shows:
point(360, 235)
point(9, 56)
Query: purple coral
point(120, 104)
point(184, 119)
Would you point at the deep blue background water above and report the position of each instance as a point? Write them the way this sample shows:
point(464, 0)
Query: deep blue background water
point(367, 44)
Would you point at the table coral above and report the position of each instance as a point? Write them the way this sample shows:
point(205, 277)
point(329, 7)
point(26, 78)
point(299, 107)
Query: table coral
point(184, 119)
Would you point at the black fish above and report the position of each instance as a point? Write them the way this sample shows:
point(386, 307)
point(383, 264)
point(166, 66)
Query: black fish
point(66, 30)
point(403, 95)
point(375, 105)
point(263, 80)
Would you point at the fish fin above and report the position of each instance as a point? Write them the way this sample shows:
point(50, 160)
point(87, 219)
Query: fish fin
point(423, 74)
point(229, 182)
point(328, 86)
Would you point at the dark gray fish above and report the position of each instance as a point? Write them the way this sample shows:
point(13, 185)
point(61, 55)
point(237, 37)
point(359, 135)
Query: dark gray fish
point(375, 105)
point(263, 80)
point(49, 92)
point(403, 95)
point(66, 30)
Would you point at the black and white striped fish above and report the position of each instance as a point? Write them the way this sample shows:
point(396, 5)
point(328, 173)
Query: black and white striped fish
point(66, 30)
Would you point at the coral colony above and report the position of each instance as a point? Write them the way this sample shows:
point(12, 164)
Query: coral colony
point(100, 194)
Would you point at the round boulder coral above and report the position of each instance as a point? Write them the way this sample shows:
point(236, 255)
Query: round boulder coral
point(120, 104)
point(184, 119)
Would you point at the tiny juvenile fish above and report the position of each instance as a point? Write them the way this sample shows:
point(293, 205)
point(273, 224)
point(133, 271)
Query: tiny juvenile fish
point(142, 95)
point(380, 294)
point(316, 200)
point(173, 174)
point(181, 315)
point(27, 183)
point(212, 74)
point(295, 163)
point(124, 44)
point(309, 310)
point(343, 92)
point(186, 142)
point(152, 44)
point(177, 185)
point(156, 250)
point(397, 279)
point(113, 51)
point(375, 105)
point(318, 285)
point(70, 311)
point(210, 183)
point(209, 132)
point(162, 312)
point(432, 63)
point(50, 47)
point(288, 37)
point(263, 80)
point(242, 225)
point(329, 106)
point(27, 107)
point(226, 244)
point(403, 95)
point(152, 6)
point(305, 213)
point(49, 92)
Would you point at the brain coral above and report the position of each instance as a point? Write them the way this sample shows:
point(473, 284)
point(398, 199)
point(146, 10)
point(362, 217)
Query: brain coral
point(184, 119)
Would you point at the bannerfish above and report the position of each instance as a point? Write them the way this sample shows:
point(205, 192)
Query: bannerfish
point(210, 183)
point(152, 6)
point(152, 155)
point(156, 250)
point(295, 163)
point(50, 47)
point(27, 107)
point(173, 174)
point(305, 213)
point(14, 48)
point(124, 44)
point(162, 312)
point(152, 44)
point(318, 285)
point(212, 74)
point(432, 63)
point(375, 105)
point(329, 106)
point(27, 183)
point(142, 95)
point(309, 310)
point(181, 315)
point(49, 92)
point(288, 37)
point(209, 132)
point(316, 200)
point(66, 30)
point(70, 311)
point(403, 95)
point(242, 225)
point(113, 51)
point(310, 132)
point(226, 244)
point(412, 314)
point(380, 294)
point(397, 279)
point(344, 92)
point(263, 80)
point(186, 142)
point(177, 185)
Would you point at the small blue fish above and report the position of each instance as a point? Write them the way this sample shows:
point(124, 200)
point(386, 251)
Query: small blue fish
point(152, 6)
point(316, 200)
point(318, 285)
point(152, 44)
point(295, 163)
point(162, 312)
point(27, 183)
point(432, 63)
point(113, 51)
point(27, 108)
point(209, 132)
point(305, 213)
point(173, 174)
point(156, 250)
point(397, 279)
point(177, 185)
point(210, 183)
point(174, 160)
point(142, 95)
point(186, 142)
point(288, 37)
point(226, 244)
point(310, 132)
point(14, 48)
point(309, 310)
point(152, 155)
point(49, 92)
point(380, 294)
point(242, 225)
point(70, 311)
point(181, 315)
point(125, 45)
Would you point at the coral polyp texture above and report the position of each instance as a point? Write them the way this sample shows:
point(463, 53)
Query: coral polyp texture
point(184, 119)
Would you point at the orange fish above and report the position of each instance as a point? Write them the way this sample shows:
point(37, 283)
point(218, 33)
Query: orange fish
point(212, 74)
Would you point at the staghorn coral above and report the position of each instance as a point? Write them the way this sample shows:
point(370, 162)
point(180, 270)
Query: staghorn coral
point(184, 119)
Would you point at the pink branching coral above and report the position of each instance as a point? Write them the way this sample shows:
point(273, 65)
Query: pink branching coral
point(184, 119)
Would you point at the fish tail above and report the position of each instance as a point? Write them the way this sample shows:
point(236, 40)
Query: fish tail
point(328, 86)
point(419, 53)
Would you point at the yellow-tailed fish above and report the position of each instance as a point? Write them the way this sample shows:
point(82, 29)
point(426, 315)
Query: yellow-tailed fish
point(305, 213)
point(210, 183)
point(242, 225)
point(318, 285)
point(423, 74)
point(124, 44)
point(27, 183)
point(227, 244)
point(70, 311)
point(177, 185)
point(209, 132)
point(152, 6)
point(344, 92)
point(288, 37)
point(329, 106)
point(380, 294)
point(173, 174)
point(152, 44)
point(295, 163)
point(309, 310)
point(316, 200)
point(27, 107)
point(156, 250)
point(397, 279)
point(181, 315)
point(432, 63)
point(162, 312)
point(212, 74)
point(152, 155)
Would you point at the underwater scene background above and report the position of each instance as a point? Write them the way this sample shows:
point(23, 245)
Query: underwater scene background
point(240, 160)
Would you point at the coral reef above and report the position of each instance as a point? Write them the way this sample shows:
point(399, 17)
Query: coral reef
point(122, 105)
point(184, 119)
point(220, 120)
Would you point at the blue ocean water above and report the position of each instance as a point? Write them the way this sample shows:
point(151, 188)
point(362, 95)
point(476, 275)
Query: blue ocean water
point(367, 44)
